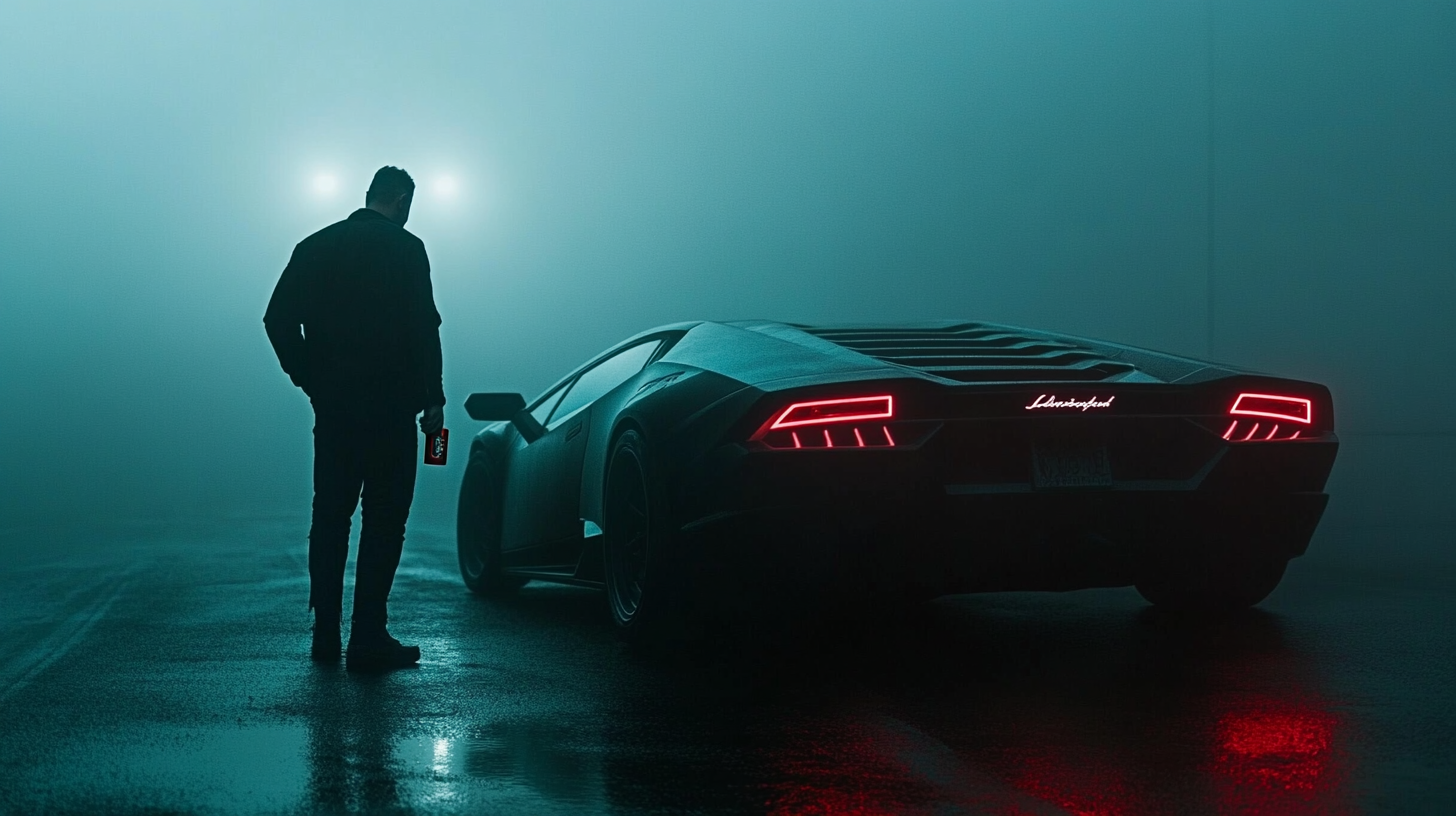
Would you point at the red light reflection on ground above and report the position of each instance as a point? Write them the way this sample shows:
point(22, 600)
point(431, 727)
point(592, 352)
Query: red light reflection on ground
point(1288, 749)
point(847, 777)
point(1232, 753)
point(1276, 757)
point(1089, 785)
point(1249, 755)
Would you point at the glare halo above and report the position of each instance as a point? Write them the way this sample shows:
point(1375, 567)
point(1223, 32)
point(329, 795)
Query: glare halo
point(446, 186)
point(325, 184)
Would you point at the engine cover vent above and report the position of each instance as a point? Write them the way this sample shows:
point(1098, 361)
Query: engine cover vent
point(974, 352)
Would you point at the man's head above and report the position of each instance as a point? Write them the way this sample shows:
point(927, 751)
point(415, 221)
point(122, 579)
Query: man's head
point(390, 194)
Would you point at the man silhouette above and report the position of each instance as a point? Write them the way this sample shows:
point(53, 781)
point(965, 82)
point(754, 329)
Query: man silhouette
point(368, 357)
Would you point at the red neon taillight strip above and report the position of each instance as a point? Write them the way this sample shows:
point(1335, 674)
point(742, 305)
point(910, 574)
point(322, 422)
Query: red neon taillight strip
point(1274, 406)
point(1243, 430)
point(888, 438)
point(828, 441)
point(795, 435)
point(835, 410)
point(859, 440)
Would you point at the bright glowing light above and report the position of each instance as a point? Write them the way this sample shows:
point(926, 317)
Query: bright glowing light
point(852, 437)
point(829, 416)
point(1239, 431)
point(1274, 406)
point(836, 410)
point(446, 186)
point(442, 756)
point(325, 184)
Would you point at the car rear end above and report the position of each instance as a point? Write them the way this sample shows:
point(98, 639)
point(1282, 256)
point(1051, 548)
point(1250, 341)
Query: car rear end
point(1007, 475)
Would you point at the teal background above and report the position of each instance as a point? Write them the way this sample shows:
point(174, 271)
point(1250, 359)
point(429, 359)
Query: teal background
point(1269, 184)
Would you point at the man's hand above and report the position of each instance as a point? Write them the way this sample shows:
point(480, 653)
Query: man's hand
point(432, 420)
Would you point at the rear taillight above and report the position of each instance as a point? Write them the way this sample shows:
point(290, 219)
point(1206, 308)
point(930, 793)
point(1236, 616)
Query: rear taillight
point(1273, 406)
point(851, 422)
point(821, 412)
point(1271, 418)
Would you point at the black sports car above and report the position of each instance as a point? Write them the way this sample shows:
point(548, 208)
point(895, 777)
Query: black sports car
point(727, 467)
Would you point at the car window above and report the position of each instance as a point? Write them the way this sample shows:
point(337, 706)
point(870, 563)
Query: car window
point(603, 377)
point(542, 411)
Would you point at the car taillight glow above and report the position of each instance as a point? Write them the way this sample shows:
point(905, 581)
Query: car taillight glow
point(1277, 418)
point(821, 412)
point(850, 422)
point(1273, 406)
point(1243, 430)
point(834, 436)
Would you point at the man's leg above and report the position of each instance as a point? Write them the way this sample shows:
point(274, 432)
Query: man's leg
point(389, 489)
point(338, 474)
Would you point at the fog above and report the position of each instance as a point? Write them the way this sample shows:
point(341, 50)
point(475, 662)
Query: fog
point(1268, 184)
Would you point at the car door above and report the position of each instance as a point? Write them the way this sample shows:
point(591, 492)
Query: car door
point(522, 494)
point(548, 501)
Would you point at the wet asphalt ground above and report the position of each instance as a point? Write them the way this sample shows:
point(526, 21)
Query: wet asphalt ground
point(165, 670)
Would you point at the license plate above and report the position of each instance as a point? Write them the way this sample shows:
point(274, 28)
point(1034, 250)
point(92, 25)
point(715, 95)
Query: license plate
point(1066, 468)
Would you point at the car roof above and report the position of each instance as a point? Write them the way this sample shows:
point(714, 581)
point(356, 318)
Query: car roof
point(762, 352)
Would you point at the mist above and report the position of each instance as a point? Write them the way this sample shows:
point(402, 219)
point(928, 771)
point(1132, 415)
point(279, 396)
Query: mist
point(1271, 185)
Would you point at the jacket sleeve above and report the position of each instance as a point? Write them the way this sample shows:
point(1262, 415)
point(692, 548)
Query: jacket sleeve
point(426, 339)
point(284, 320)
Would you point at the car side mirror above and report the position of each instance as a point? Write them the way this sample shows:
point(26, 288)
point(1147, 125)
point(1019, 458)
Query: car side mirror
point(504, 408)
point(494, 407)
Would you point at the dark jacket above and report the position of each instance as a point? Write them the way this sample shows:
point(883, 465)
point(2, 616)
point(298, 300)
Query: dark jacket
point(370, 342)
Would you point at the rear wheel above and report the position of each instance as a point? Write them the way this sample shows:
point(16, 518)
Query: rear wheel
point(635, 539)
point(1227, 583)
point(477, 533)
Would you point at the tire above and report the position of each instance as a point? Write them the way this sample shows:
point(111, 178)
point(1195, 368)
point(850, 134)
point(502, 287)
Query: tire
point(1219, 585)
point(477, 533)
point(635, 544)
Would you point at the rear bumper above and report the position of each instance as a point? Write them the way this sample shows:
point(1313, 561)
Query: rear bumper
point(978, 543)
point(862, 523)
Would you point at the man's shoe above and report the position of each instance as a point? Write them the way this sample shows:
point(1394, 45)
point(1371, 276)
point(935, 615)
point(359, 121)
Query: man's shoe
point(379, 651)
point(327, 644)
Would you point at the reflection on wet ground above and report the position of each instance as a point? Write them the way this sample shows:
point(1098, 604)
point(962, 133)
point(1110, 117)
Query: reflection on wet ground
point(181, 683)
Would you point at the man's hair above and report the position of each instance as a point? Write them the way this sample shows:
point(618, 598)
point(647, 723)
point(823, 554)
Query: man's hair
point(389, 183)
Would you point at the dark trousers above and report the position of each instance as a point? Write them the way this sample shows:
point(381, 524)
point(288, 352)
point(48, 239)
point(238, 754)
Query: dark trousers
point(354, 452)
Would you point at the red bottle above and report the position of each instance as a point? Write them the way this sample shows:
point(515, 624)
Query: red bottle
point(436, 447)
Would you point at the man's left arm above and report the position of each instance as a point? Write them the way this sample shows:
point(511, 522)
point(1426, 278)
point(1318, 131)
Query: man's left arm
point(426, 339)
